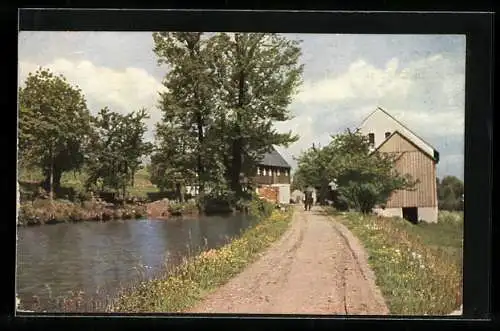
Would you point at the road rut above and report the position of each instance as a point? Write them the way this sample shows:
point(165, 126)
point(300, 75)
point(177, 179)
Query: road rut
point(317, 267)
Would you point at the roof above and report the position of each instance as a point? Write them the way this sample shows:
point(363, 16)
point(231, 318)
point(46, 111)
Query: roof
point(434, 157)
point(274, 159)
point(397, 121)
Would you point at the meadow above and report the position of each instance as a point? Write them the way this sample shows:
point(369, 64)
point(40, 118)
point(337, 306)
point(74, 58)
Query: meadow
point(418, 266)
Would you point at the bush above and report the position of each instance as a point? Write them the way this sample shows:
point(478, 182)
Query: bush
point(182, 208)
point(217, 203)
point(82, 195)
point(261, 208)
point(27, 215)
point(363, 196)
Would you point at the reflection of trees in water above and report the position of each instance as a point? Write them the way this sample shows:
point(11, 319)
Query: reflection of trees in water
point(102, 258)
point(69, 263)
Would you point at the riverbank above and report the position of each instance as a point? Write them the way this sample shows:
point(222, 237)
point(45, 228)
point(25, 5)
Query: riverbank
point(418, 267)
point(198, 276)
point(164, 209)
point(43, 211)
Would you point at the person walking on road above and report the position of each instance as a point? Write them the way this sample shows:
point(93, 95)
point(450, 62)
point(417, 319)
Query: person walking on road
point(308, 199)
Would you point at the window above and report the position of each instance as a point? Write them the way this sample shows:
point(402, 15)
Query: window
point(371, 138)
point(387, 134)
point(263, 171)
point(258, 171)
point(277, 172)
point(270, 172)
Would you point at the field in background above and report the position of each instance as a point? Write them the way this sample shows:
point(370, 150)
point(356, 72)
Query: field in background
point(142, 184)
point(418, 266)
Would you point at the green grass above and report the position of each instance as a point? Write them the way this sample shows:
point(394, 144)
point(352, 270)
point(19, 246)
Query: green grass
point(418, 267)
point(76, 180)
point(142, 185)
point(200, 275)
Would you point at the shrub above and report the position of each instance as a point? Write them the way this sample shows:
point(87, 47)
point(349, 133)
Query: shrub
point(261, 208)
point(216, 202)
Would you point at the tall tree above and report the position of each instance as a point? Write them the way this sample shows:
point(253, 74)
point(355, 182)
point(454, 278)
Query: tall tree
point(54, 125)
point(187, 107)
point(225, 91)
point(256, 76)
point(173, 164)
point(117, 148)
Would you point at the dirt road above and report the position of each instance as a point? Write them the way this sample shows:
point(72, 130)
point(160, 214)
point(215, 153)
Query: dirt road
point(317, 267)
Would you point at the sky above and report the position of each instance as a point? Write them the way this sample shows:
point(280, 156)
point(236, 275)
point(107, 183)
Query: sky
point(419, 79)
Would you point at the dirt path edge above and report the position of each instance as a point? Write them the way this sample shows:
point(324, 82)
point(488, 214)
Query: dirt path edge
point(361, 256)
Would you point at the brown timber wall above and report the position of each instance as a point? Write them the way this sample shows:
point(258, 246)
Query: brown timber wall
point(274, 178)
point(419, 165)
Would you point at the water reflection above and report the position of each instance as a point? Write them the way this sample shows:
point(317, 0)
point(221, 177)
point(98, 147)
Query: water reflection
point(55, 259)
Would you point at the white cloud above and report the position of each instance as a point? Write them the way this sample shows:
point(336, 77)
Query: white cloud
point(362, 80)
point(427, 95)
point(121, 90)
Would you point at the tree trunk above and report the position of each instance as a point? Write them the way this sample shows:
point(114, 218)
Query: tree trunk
point(194, 50)
point(51, 174)
point(201, 168)
point(56, 179)
point(124, 193)
point(237, 163)
point(179, 193)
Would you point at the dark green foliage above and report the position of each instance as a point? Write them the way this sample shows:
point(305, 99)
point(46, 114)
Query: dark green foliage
point(116, 150)
point(225, 91)
point(450, 193)
point(54, 125)
point(364, 179)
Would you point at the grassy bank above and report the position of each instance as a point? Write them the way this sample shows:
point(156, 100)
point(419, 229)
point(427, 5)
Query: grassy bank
point(418, 267)
point(42, 211)
point(199, 275)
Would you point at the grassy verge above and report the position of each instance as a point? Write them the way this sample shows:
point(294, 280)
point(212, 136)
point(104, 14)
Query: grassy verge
point(200, 275)
point(418, 267)
point(42, 211)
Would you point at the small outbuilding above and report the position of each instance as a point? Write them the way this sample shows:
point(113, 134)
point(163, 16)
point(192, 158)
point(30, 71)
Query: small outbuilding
point(273, 171)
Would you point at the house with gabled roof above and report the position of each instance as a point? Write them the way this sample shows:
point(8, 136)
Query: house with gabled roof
point(273, 175)
point(414, 156)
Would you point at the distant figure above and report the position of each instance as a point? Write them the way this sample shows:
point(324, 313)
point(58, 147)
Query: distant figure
point(308, 200)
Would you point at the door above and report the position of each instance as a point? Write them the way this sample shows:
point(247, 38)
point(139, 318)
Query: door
point(411, 214)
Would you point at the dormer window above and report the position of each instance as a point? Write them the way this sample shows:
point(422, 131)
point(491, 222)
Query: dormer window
point(387, 134)
point(263, 171)
point(270, 172)
point(277, 172)
point(371, 138)
point(258, 171)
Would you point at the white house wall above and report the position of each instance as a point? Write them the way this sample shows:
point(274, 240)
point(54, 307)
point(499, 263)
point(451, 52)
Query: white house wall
point(284, 193)
point(425, 214)
point(379, 123)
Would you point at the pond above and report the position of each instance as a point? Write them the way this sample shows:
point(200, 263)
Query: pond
point(53, 260)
